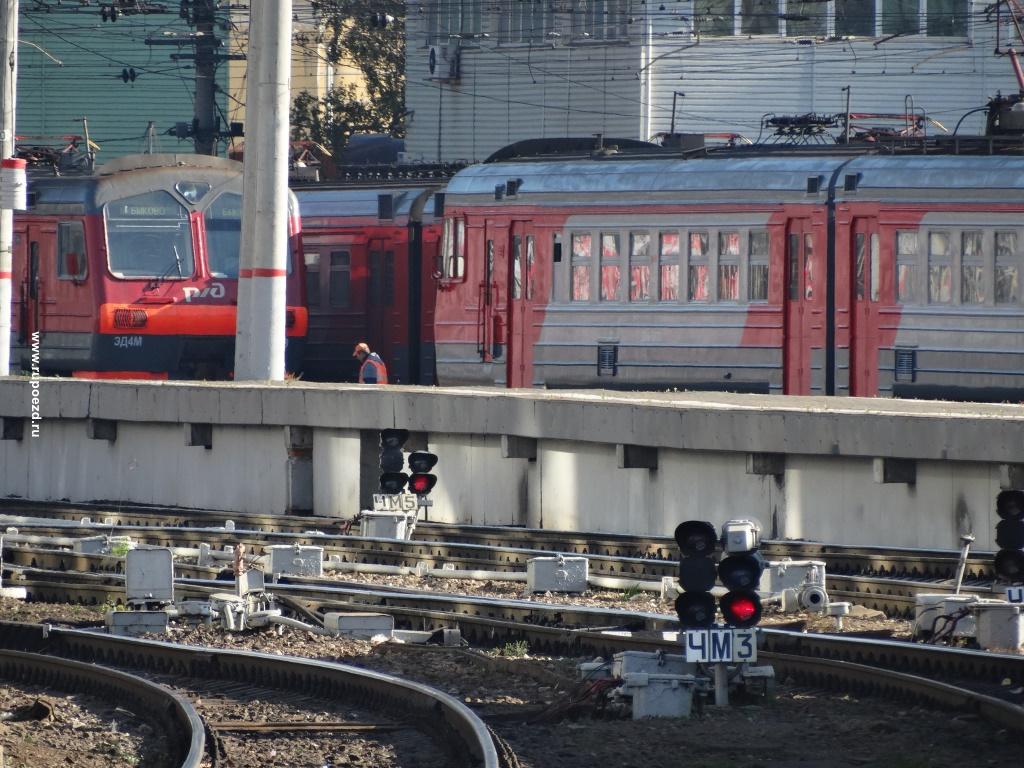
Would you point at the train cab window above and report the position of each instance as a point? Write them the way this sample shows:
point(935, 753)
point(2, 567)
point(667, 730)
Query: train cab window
point(1007, 268)
point(728, 266)
point(71, 261)
point(668, 261)
point(610, 272)
point(639, 266)
point(582, 244)
point(223, 221)
point(312, 261)
point(972, 268)
point(453, 249)
point(149, 235)
point(341, 265)
point(906, 264)
point(757, 275)
point(940, 271)
point(697, 275)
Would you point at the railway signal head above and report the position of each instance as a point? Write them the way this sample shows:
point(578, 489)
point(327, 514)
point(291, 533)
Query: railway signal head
point(740, 573)
point(392, 478)
point(421, 482)
point(697, 540)
point(1009, 563)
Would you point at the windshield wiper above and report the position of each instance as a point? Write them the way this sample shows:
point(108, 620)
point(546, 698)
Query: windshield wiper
point(156, 281)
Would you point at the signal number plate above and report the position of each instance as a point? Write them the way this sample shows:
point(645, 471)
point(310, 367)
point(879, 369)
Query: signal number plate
point(710, 646)
point(1015, 594)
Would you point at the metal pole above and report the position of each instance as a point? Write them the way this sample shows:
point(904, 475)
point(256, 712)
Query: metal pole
point(966, 540)
point(846, 131)
point(250, 186)
point(8, 92)
point(206, 44)
point(721, 685)
point(270, 228)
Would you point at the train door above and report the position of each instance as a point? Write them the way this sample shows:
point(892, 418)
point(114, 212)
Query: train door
point(800, 297)
point(520, 295)
point(380, 301)
point(493, 305)
point(37, 287)
point(864, 250)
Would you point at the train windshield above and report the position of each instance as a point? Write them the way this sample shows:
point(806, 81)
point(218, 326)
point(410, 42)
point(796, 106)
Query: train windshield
point(149, 235)
point(224, 234)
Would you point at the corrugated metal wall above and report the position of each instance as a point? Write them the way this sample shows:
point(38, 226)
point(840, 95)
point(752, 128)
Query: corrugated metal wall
point(625, 88)
point(52, 99)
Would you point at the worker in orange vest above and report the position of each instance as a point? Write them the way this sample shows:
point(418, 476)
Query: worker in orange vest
point(371, 369)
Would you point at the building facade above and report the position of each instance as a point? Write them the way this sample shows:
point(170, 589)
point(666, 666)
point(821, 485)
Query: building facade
point(482, 74)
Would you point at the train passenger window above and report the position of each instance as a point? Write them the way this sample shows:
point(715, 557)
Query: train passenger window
point(639, 266)
point(940, 271)
point(224, 234)
point(453, 249)
point(610, 273)
point(312, 261)
point(340, 278)
point(1007, 273)
point(668, 259)
point(972, 269)
point(906, 262)
point(71, 261)
point(149, 236)
point(697, 278)
point(728, 266)
point(757, 288)
point(581, 250)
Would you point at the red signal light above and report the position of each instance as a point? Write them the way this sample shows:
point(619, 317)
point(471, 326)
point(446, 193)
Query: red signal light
point(741, 608)
point(420, 484)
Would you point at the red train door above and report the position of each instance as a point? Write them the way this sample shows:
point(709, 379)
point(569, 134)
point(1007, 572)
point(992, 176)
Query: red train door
point(39, 259)
point(799, 298)
point(520, 295)
point(865, 271)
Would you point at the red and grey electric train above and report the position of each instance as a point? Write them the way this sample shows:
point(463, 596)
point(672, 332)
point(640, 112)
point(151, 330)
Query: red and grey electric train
point(132, 271)
point(801, 274)
point(370, 256)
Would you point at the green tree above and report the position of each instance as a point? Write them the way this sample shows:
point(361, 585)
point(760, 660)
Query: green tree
point(371, 35)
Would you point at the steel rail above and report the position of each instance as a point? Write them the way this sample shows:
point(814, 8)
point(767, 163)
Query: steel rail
point(444, 719)
point(165, 711)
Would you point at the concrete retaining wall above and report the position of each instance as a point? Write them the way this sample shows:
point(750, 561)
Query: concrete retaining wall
point(840, 470)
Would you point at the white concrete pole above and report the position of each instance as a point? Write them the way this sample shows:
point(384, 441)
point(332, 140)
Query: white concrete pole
point(250, 184)
point(8, 90)
point(270, 244)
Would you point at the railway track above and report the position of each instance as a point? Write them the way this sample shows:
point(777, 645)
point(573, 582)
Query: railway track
point(210, 675)
point(877, 579)
point(166, 712)
point(962, 679)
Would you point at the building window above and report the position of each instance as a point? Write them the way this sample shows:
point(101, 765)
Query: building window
point(668, 259)
point(599, 19)
point(728, 266)
point(715, 18)
point(806, 18)
point(581, 256)
point(940, 271)
point(906, 261)
point(1007, 268)
point(759, 17)
point(855, 18)
point(453, 249)
point(972, 269)
point(610, 273)
point(946, 18)
point(447, 18)
point(901, 17)
point(525, 22)
point(757, 289)
point(71, 262)
point(312, 278)
point(697, 276)
point(341, 265)
point(639, 266)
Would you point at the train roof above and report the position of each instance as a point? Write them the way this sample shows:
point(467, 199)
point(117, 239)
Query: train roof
point(364, 202)
point(738, 179)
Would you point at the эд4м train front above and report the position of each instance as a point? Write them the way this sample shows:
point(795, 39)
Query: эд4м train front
point(132, 271)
